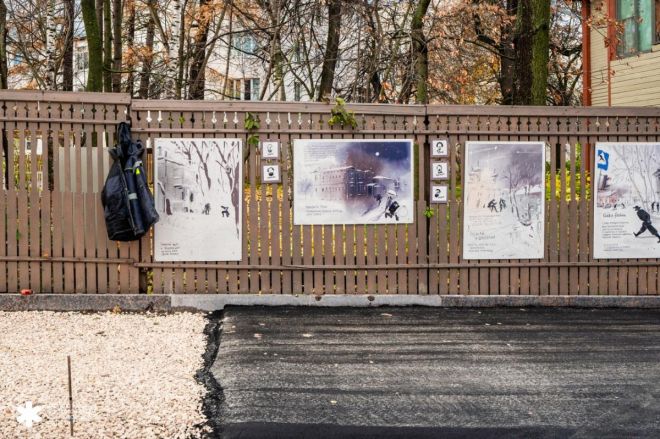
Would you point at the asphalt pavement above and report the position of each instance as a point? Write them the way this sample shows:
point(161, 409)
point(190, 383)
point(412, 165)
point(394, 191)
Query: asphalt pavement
point(429, 372)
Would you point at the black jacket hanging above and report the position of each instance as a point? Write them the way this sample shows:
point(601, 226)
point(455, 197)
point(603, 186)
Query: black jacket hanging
point(128, 205)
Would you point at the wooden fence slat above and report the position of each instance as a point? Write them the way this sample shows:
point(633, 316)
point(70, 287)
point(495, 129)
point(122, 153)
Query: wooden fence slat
point(78, 221)
point(90, 202)
point(23, 237)
point(3, 239)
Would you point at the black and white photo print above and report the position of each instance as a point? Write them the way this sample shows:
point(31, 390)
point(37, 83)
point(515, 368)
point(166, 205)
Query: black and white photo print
point(439, 148)
point(270, 150)
point(438, 193)
point(198, 192)
point(270, 174)
point(504, 200)
point(439, 170)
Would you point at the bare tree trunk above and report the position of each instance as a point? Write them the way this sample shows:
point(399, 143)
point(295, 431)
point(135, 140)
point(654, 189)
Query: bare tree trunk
point(130, 39)
point(67, 61)
point(107, 47)
point(117, 18)
point(172, 71)
point(420, 51)
point(507, 55)
point(145, 73)
point(523, 44)
point(94, 46)
point(50, 45)
point(278, 60)
point(181, 60)
point(198, 64)
point(540, 50)
point(3, 45)
point(229, 44)
point(331, 50)
point(99, 19)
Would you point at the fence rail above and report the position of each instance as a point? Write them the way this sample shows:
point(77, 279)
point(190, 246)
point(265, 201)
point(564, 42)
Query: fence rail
point(54, 160)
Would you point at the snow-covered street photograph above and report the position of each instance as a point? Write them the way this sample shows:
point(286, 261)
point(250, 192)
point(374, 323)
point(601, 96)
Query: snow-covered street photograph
point(353, 181)
point(198, 185)
point(504, 200)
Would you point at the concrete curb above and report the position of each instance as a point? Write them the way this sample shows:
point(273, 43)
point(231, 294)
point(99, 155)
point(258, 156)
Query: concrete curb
point(213, 302)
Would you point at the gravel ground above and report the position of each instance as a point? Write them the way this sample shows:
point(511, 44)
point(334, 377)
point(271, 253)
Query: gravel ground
point(133, 375)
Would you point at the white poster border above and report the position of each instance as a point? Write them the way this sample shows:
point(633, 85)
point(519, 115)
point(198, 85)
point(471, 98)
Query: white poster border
point(544, 145)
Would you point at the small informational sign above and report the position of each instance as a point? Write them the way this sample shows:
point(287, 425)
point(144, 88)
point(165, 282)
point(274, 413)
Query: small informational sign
point(439, 148)
point(626, 200)
point(439, 170)
point(198, 186)
point(439, 193)
point(270, 174)
point(361, 181)
point(270, 150)
point(504, 200)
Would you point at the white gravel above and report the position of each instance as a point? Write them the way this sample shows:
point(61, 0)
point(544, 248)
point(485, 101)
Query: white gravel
point(133, 375)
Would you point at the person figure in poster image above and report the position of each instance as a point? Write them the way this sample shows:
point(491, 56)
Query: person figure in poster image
point(646, 223)
point(391, 206)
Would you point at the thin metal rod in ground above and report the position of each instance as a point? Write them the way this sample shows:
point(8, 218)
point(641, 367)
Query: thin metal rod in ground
point(68, 361)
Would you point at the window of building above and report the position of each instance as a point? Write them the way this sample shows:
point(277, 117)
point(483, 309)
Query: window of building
point(233, 88)
point(657, 21)
point(251, 89)
point(245, 43)
point(640, 21)
point(297, 92)
point(81, 59)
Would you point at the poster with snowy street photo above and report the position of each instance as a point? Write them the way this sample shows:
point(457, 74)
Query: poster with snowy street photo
point(198, 188)
point(365, 181)
point(504, 200)
point(626, 200)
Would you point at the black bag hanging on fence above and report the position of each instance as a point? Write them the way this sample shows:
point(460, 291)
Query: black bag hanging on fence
point(128, 205)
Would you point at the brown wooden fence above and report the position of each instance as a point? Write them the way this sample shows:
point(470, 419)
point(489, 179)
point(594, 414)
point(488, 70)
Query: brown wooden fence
point(55, 160)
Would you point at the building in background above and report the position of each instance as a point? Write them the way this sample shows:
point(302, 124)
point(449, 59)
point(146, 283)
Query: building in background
point(621, 48)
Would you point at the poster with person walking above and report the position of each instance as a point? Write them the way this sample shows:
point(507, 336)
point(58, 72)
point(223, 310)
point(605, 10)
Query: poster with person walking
point(626, 200)
point(366, 181)
point(504, 200)
point(198, 191)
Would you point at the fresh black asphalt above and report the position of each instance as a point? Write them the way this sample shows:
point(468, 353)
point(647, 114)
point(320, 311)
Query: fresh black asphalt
point(436, 373)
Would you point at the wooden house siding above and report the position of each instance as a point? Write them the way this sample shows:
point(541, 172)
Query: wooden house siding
point(635, 81)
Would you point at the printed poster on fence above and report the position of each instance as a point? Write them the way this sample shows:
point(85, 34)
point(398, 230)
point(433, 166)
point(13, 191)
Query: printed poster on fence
point(626, 200)
point(353, 181)
point(504, 200)
point(198, 191)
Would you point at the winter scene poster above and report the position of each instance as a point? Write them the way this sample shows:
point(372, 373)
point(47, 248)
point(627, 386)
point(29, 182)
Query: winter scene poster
point(627, 200)
point(504, 200)
point(198, 191)
point(353, 181)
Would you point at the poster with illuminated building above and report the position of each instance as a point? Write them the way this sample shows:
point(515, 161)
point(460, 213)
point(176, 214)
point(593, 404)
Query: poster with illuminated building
point(198, 191)
point(626, 200)
point(353, 181)
point(504, 200)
